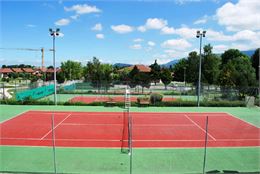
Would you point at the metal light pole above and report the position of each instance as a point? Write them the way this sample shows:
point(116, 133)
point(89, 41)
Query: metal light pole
point(200, 35)
point(259, 75)
point(184, 78)
point(54, 33)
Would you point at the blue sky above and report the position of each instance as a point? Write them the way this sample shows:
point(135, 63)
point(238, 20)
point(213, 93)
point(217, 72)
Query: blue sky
point(125, 31)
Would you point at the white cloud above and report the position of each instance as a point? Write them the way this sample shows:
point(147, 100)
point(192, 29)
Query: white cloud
point(74, 16)
point(244, 35)
point(202, 20)
point(136, 46)
point(30, 25)
point(181, 2)
point(122, 29)
point(151, 44)
point(97, 27)
point(186, 32)
point(244, 14)
point(100, 36)
point(138, 40)
point(167, 30)
point(220, 48)
point(155, 23)
point(141, 28)
point(176, 44)
point(83, 9)
point(62, 22)
point(61, 35)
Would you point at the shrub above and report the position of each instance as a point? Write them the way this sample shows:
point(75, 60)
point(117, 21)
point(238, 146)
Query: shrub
point(145, 98)
point(155, 98)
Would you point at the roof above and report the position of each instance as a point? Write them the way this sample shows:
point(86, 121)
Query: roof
point(5, 70)
point(17, 70)
point(51, 70)
point(28, 70)
point(141, 68)
point(41, 69)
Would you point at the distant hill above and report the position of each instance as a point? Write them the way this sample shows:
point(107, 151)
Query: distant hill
point(121, 65)
point(249, 53)
point(171, 63)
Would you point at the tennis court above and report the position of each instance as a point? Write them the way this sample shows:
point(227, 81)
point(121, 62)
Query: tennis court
point(91, 99)
point(90, 139)
point(109, 129)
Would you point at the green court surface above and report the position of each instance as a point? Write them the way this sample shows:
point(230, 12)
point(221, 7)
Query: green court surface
point(19, 159)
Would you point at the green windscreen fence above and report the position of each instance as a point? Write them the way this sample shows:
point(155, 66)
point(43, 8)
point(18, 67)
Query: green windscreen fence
point(70, 87)
point(35, 93)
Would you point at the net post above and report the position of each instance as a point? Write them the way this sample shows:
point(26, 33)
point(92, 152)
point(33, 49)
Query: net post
point(127, 107)
point(205, 146)
point(53, 143)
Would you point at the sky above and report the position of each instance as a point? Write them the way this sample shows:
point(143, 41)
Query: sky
point(131, 31)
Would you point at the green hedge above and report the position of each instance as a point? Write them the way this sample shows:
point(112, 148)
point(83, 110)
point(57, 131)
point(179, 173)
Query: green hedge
point(177, 103)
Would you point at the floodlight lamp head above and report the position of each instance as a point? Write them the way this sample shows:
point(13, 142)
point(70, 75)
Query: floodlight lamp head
point(50, 30)
point(204, 33)
point(57, 30)
point(198, 34)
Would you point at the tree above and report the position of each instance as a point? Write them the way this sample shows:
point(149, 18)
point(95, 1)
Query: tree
point(155, 72)
point(255, 62)
point(210, 66)
point(192, 69)
point(139, 78)
point(179, 70)
point(50, 67)
point(166, 77)
point(230, 55)
point(238, 73)
point(144, 80)
point(98, 74)
point(72, 70)
point(132, 76)
point(60, 77)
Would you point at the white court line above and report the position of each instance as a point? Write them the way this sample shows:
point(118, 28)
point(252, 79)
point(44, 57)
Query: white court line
point(115, 140)
point(55, 127)
point(241, 120)
point(17, 115)
point(135, 125)
point(200, 127)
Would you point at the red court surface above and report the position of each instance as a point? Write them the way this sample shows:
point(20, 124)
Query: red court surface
point(91, 99)
point(109, 129)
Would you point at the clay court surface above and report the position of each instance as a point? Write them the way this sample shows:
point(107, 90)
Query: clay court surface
point(91, 99)
point(109, 129)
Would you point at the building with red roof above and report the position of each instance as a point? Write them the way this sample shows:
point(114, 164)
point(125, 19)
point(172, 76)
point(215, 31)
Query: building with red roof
point(141, 68)
point(17, 70)
point(28, 70)
point(5, 71)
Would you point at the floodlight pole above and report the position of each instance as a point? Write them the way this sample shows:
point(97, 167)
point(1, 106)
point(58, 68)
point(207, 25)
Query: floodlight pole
point(259, 76)
point(184, 78)
point(200, 35)
point(54, 33)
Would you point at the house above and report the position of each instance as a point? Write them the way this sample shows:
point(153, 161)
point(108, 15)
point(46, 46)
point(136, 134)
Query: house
point(4, 72)
point(28, 70)
point(50, 73)
point(141, 68)
point(17, 70)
